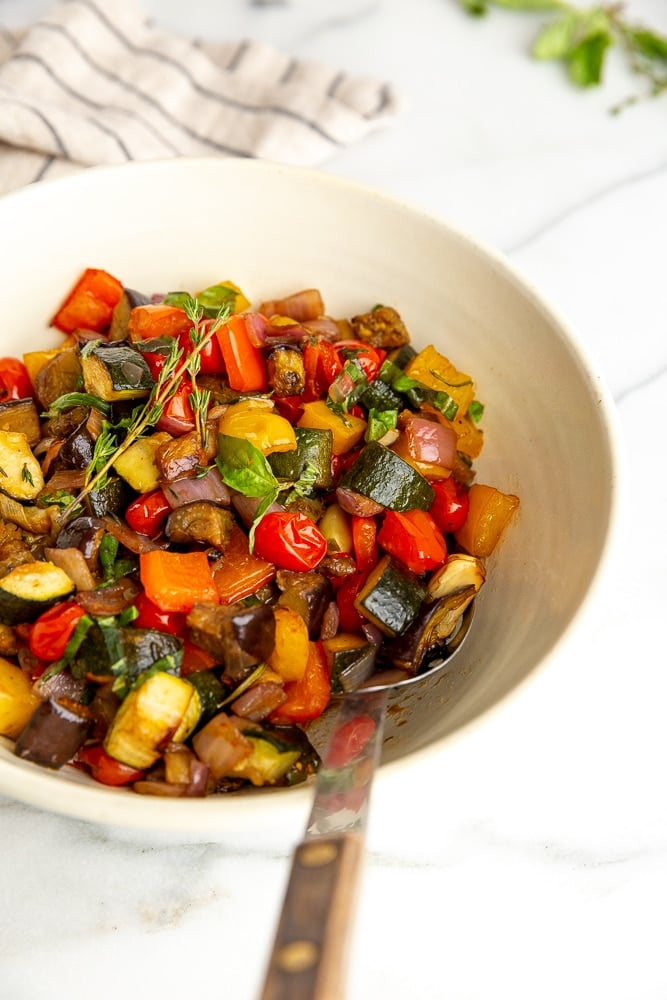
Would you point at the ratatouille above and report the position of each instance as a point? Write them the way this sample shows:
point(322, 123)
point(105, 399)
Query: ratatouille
point(213, 517)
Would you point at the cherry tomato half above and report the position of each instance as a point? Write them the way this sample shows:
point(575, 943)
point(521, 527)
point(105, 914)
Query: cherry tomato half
point(106, 769)
point(52, 631)
point(290, 540)
point(148, 512)
point(14, 380)
point(368, 358)
point(450, 508)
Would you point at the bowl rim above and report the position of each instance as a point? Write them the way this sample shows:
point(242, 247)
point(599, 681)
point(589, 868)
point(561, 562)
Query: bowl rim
point(214, 816)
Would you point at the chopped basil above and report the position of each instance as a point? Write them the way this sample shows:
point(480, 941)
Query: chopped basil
point(476, 410)
point(379, 422)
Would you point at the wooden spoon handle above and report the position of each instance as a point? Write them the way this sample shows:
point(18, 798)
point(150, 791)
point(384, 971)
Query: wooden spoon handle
point(308, 960)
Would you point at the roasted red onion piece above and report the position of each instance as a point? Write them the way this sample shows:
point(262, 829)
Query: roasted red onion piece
point(109, 600)
point(187, 490)
point(355, 503)
point(132, 540)
point(259, 701)
point(429, 441)
point(73, 562)
point(301, 306)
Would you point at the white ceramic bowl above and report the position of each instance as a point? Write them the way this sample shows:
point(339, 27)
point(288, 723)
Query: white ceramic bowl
point(272, 229)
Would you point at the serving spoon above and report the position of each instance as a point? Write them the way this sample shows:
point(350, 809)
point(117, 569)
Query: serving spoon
point(308, 957)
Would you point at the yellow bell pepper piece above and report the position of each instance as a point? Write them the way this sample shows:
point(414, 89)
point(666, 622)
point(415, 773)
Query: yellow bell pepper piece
point(436, 371)
point(347, 430)
point(488, 516)
point(291, 650)
point(17, 700)
point(256, 421)
point(137, 464)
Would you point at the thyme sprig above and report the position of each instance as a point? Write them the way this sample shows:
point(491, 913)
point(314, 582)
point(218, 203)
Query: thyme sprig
point(176, 367)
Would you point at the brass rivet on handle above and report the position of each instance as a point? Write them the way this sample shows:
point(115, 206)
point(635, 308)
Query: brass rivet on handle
point(297, 956)
point(316, 855)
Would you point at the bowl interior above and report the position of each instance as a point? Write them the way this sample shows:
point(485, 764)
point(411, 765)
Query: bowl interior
point(272, 230)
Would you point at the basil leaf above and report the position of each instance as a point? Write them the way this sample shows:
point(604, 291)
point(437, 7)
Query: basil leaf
point(182, 300)
point(269, 498)
point(243, 467)
point(476, 411)
point(215, 298)
point(379, 422)
point(210, 301)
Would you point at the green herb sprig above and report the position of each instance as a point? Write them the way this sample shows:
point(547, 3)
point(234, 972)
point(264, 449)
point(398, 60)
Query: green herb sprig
point(580, 38)
point(175, 368)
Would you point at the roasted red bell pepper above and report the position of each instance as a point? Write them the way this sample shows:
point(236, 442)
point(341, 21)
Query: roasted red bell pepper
point(153, 617)
point(414, 538)
point(211, 361)
point(158, 320)
point(106, 769)
point(242, 572)
point(90, 303)
point(195, 658)
point(346, 593)
point(244, 362)
point(176, 581)
point(306, 698)
point(364, 542)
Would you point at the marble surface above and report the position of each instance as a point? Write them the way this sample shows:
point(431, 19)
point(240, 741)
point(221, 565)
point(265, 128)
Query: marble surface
point(529, 856)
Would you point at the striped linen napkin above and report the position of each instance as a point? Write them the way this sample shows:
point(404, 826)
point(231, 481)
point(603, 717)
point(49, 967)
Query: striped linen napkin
point(95, 82)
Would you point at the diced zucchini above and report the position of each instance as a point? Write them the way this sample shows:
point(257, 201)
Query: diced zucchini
point(116, 371)
point(390, 598)
point(383, 476)
point(269, 760)
point(30, 589)
point(137, 464)
point(17, 699)
point(380, 396)
point(20, 472)
point(211, 692)
point(125, 651)
point(314, 448)
point(351, 661)
point(160, 710)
